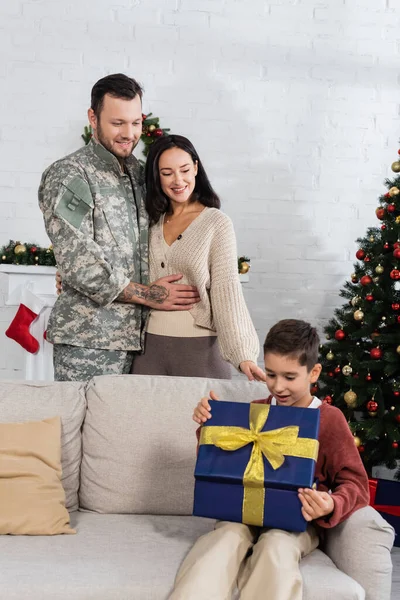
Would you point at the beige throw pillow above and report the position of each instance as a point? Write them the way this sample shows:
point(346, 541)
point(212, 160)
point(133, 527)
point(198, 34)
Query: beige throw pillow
point(32, 499)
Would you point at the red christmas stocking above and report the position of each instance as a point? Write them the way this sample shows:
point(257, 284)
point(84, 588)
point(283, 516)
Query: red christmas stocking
point(19, 329)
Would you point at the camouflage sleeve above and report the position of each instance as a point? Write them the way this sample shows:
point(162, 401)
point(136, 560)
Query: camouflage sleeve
point(66, 202)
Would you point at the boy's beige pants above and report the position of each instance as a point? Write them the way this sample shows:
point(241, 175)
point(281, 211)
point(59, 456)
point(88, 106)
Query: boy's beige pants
point(217, 563)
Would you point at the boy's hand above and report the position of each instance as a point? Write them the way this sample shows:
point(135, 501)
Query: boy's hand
point(202, 412)
point(315, 504)
point(252, 371)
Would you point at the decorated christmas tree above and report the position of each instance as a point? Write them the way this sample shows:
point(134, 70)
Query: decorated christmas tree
point(361, 359)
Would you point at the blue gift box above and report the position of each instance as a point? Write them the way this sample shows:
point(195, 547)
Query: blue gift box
point(225, 488)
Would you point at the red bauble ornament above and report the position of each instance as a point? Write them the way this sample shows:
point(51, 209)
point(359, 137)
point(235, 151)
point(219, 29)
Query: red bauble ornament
point(376, 353)
point(314, 389)
point(395, 445)
point(398, 318)
point(369, 298)
point(338, 370)
point(148, 134)
point(380, 213)
point(372, 406)
point(33, 249)
point(391, 208)
point(361, 449)
point(395, 274)
point(396, 245)
point(328, 400)
point(368, 377)
point(383, 227)
point(395, 306)
point(367, 259)
point(354, 279)
point(360, 254)
point(396, 253)
point(340, 335)
point(356, 376)
point(331, 374)
point(396, 393)
point(365, 280)
point(397, 418)
point(144, 117)
point(386, 246)
point(159, 132)
point(398, 151)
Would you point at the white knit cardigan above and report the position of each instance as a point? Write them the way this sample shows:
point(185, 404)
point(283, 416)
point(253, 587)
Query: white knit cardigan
point(206, 254)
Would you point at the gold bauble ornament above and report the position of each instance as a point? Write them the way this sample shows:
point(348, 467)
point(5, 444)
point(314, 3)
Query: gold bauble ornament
point(152, 128)
point(3, 257)
point(19, 249)
point(394, 191)
point(330, 356)
point(379, 269)
point(357, 441)
point(244, 267)
point(350, 398)
point(396, 166)
point(371, 239)
point(355, 301)
point(397, 219)
point(36, 258)
point(375, 279)
point(392, 408)
point(398, 349)
point(358, 315)
point(372, 414)
point(347, 370)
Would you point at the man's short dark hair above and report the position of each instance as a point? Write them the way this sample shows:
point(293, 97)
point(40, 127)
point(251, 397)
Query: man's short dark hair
point(294, 338)
point(118, 86)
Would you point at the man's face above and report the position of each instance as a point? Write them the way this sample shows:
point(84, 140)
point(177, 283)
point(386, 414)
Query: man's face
point(119, 125)
point(288, 381)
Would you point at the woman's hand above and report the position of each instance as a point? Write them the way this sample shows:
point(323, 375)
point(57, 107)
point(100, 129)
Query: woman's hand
point(252, 371)
point(202, 412)
point(58, 283)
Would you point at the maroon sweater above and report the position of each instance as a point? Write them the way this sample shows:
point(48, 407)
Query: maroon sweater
point(339, 468)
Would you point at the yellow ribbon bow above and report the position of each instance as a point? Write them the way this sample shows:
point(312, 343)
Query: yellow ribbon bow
point(274, 445)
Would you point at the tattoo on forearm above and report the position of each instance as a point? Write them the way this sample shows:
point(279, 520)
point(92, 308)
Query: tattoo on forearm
point(157, 294)
point(133, 291)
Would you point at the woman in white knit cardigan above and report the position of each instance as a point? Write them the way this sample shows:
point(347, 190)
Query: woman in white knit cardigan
point(189, 235)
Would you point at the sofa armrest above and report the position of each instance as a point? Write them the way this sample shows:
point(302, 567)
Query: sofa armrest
point(360, 547)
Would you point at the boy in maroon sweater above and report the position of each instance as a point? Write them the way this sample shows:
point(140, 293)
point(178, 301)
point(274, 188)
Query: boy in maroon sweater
point(220, 559)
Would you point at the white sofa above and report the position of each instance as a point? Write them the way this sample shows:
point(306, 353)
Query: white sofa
point(128, 454)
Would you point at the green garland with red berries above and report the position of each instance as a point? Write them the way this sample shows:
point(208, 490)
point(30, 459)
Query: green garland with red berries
point(16, 253)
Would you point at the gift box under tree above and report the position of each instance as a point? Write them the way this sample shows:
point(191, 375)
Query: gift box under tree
point(251, 461)
point(385, 498)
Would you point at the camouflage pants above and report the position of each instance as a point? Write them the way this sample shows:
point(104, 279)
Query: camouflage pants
point(73, 363)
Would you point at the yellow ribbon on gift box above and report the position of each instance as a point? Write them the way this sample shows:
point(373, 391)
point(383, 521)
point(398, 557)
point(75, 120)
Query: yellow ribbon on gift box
point(274, 445)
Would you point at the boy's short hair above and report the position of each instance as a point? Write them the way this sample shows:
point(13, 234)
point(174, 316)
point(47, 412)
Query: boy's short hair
point(292, 337)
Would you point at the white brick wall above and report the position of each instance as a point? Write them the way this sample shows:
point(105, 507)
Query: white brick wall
point(293, 105)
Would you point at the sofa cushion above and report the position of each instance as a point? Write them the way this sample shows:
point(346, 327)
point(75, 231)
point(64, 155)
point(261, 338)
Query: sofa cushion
point(139, 443)
point(31, 401)
point(127, 557)
point(32, 499)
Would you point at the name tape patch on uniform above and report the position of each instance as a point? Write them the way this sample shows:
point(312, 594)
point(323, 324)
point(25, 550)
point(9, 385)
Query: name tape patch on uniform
point(75, 202)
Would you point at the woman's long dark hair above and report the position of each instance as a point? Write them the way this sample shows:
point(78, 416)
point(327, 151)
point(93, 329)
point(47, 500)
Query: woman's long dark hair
point(157, 203)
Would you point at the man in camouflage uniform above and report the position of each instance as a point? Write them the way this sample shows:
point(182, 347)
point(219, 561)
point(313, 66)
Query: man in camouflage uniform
point(93, 207)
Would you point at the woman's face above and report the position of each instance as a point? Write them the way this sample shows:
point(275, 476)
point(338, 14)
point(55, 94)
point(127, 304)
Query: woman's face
point(177, 174)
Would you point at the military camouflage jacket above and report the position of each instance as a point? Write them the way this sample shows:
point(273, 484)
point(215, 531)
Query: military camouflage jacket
point(96, 220)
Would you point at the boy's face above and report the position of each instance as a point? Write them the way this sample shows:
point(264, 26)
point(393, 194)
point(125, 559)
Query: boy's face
point(288, 381)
